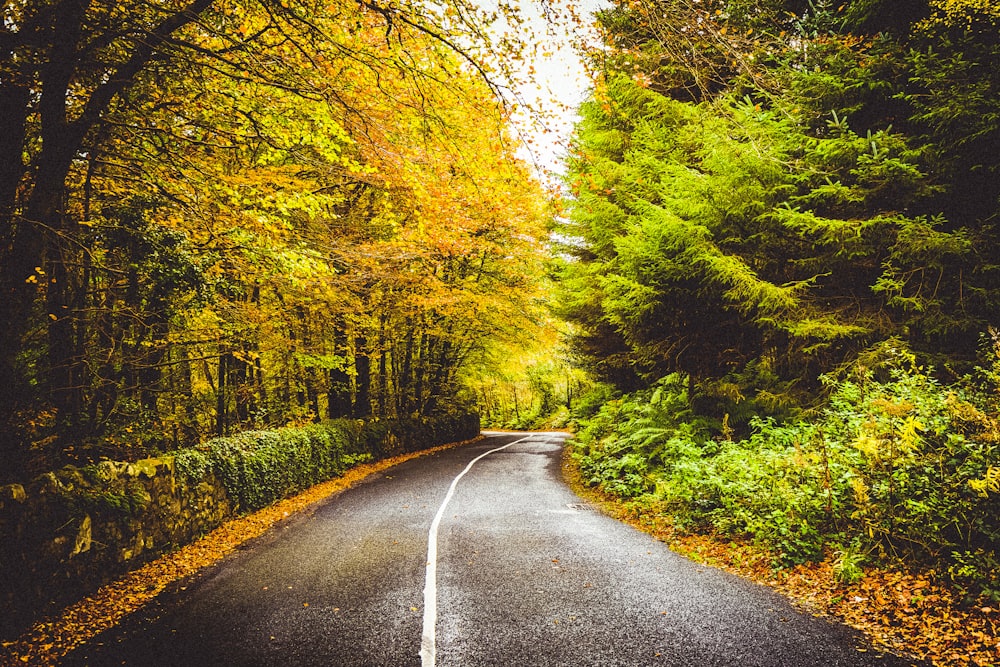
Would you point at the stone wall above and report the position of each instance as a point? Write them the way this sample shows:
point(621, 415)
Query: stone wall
point(66, 533)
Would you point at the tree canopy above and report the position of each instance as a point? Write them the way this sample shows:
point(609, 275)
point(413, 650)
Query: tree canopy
point(761, 191)
point(220, 215)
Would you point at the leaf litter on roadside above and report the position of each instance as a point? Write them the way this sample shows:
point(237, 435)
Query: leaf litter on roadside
point(901, 612)
point(50, 639)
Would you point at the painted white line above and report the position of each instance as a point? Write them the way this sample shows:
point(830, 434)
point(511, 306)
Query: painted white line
point(428, 641)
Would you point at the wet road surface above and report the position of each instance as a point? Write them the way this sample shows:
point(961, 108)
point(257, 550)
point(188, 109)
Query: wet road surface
point(525, 573)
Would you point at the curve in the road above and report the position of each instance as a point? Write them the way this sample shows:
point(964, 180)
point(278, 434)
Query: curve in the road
point(428, 639)
point(524, 574)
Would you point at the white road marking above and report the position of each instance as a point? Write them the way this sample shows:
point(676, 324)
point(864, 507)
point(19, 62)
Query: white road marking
point(428, 641)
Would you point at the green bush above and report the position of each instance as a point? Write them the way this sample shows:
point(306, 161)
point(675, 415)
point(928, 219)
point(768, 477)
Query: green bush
point(762, 487)
point(259, 467)
point(897, 466)
point(620, 445)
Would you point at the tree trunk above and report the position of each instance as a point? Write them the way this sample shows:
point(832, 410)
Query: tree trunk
point(14, 98)
point(338, 402)
point(15, 298)
point(186, 390)
point(439, 380)
point(106, 383)
point(261, 388)
point(312, 394)
point(420, 372)
point(150, 372)
point(363, 378)
point(239, 381)
point(221, 408)
point(383, 376)
point(404, 385)
point(62, 382)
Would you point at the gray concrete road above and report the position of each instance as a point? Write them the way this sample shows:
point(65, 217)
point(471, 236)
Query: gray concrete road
point(524, 574)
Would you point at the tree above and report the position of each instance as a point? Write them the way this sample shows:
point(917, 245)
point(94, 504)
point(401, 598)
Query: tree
point(215, 213)
point(777, 201)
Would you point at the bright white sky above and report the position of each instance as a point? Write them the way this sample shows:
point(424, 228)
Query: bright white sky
point(560, 82)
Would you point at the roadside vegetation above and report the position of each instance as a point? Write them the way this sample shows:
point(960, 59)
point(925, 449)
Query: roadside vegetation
point(894, 468)
point(907, 612)
point(781, 266)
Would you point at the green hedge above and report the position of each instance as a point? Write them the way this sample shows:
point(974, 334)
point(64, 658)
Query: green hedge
point(259, 467)
point(125, 504)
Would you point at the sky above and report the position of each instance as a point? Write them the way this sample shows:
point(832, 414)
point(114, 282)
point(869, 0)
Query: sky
point(558, 84)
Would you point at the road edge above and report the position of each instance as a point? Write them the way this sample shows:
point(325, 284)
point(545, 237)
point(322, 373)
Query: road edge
point(52, 638)
point(727, 555)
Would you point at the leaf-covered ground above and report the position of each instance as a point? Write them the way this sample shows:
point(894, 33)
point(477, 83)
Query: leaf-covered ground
point(51, 639)
point(905, 613)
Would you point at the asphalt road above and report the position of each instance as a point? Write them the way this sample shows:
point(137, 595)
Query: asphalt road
point(525, 574)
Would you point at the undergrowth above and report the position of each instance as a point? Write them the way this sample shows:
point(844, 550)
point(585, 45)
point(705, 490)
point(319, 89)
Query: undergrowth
point(896, 467)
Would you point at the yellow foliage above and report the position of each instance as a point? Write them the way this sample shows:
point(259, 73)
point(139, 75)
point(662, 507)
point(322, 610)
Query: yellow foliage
point(973, 420)
point(867, 444)
point(892, 408)
point(909, 436)
point(988, 484)
point(961, 13)
point(861, 497)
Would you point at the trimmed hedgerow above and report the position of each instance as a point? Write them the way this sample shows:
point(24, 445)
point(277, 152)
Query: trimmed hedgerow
point(259, 467)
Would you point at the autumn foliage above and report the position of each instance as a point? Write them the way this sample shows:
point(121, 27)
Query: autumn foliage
point(223, 215)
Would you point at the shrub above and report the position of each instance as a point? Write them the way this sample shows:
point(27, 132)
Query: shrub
point(896, 465)
point(259, 467)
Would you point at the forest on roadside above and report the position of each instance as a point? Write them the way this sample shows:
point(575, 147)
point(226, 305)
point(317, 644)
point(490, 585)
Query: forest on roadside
point(782, 264)
point(221, 215)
